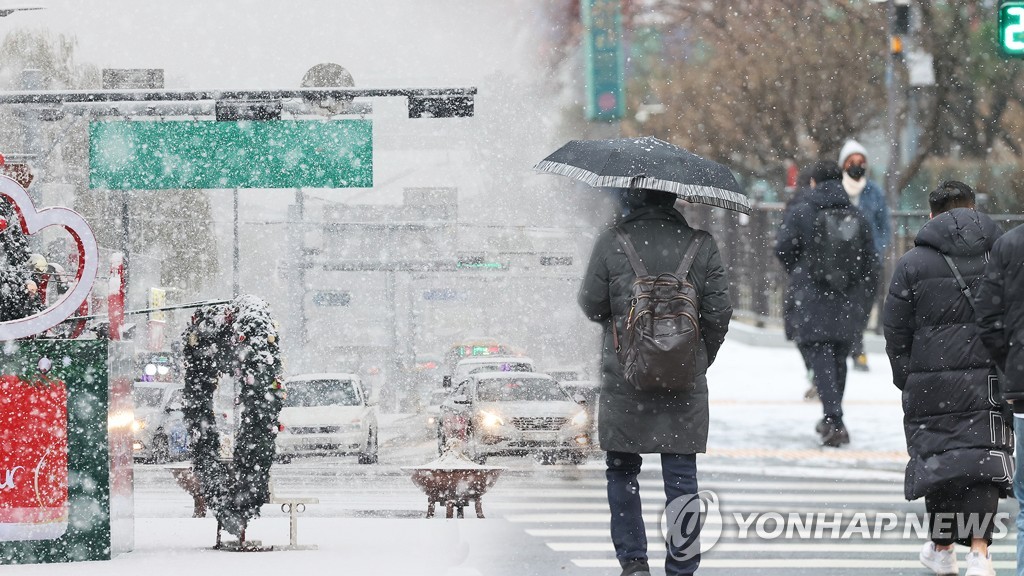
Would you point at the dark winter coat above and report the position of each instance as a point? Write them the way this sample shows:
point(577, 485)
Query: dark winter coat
point(1000, 309)
point(819, 314)
point(957, 432)
point(646, 422)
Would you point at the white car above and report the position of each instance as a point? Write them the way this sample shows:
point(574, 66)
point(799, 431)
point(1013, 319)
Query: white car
point(327, 414)
point(158, 427)
point(515, 413)
point(432, 413)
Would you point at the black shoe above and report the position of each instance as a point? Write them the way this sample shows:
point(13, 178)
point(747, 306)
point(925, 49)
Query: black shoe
point(822, 426)
point(833, 433)
point(636, 568)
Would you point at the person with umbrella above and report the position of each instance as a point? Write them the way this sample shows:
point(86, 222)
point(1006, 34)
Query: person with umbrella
point(652, 175)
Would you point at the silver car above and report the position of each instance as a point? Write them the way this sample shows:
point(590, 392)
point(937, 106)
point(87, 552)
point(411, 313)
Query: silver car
point(515, 413)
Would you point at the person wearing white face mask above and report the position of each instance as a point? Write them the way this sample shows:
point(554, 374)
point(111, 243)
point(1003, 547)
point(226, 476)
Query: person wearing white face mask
point(869, 198)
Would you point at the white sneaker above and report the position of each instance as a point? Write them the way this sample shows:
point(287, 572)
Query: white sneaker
point(943, 562)
point(978, 565)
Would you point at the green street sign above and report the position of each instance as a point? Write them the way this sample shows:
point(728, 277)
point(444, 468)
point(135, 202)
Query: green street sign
point(603, 56)
point(146, 155)
point(1011, 29)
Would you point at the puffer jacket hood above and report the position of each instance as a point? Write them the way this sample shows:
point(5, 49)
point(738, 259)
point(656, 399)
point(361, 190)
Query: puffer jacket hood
point(959, 232)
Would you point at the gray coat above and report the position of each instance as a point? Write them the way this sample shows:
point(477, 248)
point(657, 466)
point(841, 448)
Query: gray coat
point(646, 422)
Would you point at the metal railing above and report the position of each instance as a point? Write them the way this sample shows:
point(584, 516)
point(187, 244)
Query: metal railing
point(757, 279)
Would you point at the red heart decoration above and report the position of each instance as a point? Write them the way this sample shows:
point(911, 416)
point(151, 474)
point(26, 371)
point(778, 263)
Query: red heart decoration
point(33, 221)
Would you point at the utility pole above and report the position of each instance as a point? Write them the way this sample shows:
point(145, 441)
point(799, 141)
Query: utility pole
point(893, 92)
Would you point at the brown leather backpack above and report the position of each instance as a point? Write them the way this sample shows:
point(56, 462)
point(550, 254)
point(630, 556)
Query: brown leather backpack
point(661, 335)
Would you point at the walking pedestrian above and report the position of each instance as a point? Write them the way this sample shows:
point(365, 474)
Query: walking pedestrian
point(633, 422)
point(1000, 310)
point(826, 247)
point(869, 198)
point(958, 441)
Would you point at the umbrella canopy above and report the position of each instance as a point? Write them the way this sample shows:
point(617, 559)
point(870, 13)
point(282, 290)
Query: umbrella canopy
point(647, 163)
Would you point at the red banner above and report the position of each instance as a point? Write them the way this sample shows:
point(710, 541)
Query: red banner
point(33, 459)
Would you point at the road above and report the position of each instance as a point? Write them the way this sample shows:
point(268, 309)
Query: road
point(544, 519)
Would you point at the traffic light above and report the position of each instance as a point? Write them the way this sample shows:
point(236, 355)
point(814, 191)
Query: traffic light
point(1011, 28)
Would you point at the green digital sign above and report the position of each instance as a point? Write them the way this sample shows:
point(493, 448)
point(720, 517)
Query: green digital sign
point(151, 155)
point(1011, 29)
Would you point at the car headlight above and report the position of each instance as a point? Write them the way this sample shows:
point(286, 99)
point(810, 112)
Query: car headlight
point(490, 419)
point(138, 425)
point(579, 419)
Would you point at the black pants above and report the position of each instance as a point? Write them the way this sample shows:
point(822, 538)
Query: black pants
point(961, 514)
point(828, 361)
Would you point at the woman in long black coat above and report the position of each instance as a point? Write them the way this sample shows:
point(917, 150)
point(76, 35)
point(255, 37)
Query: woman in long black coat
point(958, 437)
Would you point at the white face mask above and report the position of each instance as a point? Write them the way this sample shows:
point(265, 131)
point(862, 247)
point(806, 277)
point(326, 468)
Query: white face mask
point(854, 187)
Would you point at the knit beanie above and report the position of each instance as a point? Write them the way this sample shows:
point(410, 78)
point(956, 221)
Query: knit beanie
point(849, 149)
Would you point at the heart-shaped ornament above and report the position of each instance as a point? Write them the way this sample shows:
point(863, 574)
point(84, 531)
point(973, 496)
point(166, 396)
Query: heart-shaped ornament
point(32, 221)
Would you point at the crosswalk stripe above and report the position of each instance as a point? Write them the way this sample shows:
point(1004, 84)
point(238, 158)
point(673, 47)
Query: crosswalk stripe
point(726, 497)
point(774, 546)
point(891, 487)
point(754, 563)
point(653, 532)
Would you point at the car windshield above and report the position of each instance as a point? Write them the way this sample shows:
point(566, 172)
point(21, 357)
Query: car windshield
point(321, 393)
point(517, 389)
point(147, 397)
point(175, 399)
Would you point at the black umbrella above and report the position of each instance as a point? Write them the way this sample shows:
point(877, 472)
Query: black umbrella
point(647, 163)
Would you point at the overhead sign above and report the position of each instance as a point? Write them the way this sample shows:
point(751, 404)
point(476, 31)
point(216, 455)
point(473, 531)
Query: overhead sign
point(603, 56)
point(144, 155)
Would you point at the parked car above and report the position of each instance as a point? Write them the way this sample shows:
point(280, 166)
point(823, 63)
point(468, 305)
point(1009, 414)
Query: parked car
point(515, 413)
point(159, 430)
point(432, 412)
point(327, 414)
point(475, 364)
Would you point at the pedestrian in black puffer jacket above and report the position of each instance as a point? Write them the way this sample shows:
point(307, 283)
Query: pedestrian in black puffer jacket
point(826, 321)
point(958, 437)
point(1000, 308)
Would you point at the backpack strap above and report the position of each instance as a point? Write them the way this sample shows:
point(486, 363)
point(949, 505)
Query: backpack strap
point(634, 259)
point(960, 280)
point(691, 253)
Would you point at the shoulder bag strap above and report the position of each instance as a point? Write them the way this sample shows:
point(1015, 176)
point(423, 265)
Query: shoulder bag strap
point(634, 259)
point(960, 280)
point(691, 253)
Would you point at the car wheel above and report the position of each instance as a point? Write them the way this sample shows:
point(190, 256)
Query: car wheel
point(370, 455)
point(161, 449)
